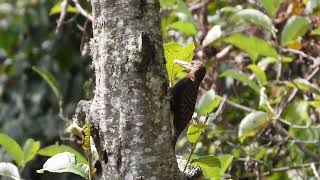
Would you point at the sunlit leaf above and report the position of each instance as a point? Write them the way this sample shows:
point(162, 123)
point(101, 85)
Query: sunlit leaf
point(315, 104)
point(252, 124)
point(252, 45)
point(194, 131)
point(13, 148)
point(260, 74)
point(65, 162)
point(50, 80)
point(207, 103)
point(240, 76)
point(174, 51)
point(305, 86)
point(9, 170)
point(56, 9)
point(30, 149)
point(254, 16)
point(86, 136)
point(208, 164)
point(270, 6)
point(225, 161)
point(55, 149)
point(296, 26)
point(167, 3)
point(213, 34)
point(186, 28)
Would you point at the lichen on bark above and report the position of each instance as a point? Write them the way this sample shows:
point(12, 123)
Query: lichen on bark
point(130, 109)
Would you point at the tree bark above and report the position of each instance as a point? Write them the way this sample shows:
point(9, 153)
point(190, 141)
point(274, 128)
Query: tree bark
point(130, 109)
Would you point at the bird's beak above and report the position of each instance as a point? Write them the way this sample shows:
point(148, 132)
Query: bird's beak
point(184, 64)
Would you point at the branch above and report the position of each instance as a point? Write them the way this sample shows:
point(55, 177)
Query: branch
point(82, 11)
point(64, 7)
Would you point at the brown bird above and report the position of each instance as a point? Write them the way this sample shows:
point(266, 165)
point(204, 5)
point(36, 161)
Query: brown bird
point(184, 95)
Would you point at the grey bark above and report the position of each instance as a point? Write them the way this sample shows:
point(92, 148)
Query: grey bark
point(130, 109)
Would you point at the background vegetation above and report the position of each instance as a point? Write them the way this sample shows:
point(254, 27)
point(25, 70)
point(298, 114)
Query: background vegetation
point(258, 109)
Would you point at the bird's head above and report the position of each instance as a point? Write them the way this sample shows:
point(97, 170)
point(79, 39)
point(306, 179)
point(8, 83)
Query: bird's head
point(195, 69)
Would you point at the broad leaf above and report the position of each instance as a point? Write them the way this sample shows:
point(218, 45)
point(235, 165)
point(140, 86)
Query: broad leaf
point(296, 26)
point(270, 6)
point(50, 80)
point(252, 124)
point(252, 45)
point(213, 34)
point(207, 103)
point(55, 149)
point(208, 165)
point(13, 148)
point(240, 76)
point(30, 149)
point(254, 16)
point(56, 9)
point(174, 51)
point(9, 170)
point(186, 28)
point(194, 132)
point(225, 161)
point(315, 104)
point(65, 162)
point(167, 3)
point(260, 74)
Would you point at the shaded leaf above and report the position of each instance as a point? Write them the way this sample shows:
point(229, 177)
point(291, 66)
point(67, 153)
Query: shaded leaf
point(55, 149)
point(50, 80)
point(13, 148)
point(296, 26)
point(252, 124)
point(240, 76)
point(252, 45)
point(207, 103)
point(254, 16)
point(65, 162)
point(213, 34)
point(186, 28)
point(194, 132)
point(30, 149)
point(9, 170)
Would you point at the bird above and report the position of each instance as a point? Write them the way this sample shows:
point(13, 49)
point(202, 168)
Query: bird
point(184, 95)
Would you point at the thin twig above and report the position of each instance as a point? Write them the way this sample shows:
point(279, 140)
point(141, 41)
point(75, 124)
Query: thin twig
point(82, 11)
point(315, 172)
point(64, 7)
point(200, 5)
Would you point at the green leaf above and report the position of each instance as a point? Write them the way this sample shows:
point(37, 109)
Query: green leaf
point(13, 148)
point(65, 162)
point(208, 164)
point(207, 103)
point(50, 80)
point(254, 16)
point(194, 132)
point(260, 74)
point(252, 45)
point(270, 6)
point(315, 104)
point(55, 149)
point(213, 34)
point(183, 8)
point(252, 124)
point(9, 170)
point(296, 26)
point(174, 51)
point(30, 149)
point(167, 3)
point(56, 9)
point(240, 76)
point(305, 86)
point(225, 161)
point(315, 32)
point(186, 28)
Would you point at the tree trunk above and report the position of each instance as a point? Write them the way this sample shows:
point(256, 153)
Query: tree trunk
point(130, 109)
